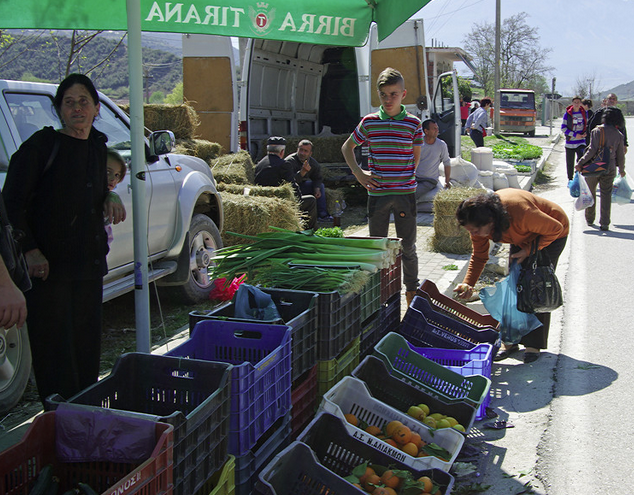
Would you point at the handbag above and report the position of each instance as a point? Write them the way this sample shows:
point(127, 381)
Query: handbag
point(601, 160)
point(11, 252)
point(538, 290)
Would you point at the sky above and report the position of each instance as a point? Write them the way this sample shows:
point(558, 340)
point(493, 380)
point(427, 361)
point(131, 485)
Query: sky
point(586, 36)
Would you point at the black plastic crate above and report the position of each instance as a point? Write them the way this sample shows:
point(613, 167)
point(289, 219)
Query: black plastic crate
point(370, 330)
point(297, 309)
point(192, 395)
point(370, 296)
point(249, 465)
point(422, 326)
point(338, 323)
point(401, 395)
point(391, 315)
point(337, 451)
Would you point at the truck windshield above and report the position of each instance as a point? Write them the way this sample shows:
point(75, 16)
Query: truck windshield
point(518, 100)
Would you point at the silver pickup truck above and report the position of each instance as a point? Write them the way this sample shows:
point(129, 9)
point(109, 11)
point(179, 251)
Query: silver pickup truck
point(184, 208)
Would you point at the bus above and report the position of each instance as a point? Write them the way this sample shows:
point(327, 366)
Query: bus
point(517, 111)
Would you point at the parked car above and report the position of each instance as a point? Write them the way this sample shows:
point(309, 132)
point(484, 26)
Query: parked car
point(184, 208)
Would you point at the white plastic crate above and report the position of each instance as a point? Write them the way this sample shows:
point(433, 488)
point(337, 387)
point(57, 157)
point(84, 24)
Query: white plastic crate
point(351, 396)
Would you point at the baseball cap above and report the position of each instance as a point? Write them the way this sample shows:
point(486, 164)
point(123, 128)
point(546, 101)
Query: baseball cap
point(276, 141)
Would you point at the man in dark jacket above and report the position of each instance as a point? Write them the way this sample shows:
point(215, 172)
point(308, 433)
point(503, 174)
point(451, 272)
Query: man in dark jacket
point(597, 118)
point(308, 176)
point(273, 170)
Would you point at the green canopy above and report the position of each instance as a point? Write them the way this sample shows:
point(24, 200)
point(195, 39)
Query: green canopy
point(330, 22)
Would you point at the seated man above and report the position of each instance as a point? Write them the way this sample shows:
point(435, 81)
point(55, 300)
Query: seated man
point(272, 170)
point(433, 152)
point(308, 176)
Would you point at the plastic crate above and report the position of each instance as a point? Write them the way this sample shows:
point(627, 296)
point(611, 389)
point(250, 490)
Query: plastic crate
point(391, 315)
point(249, 465)
point(331, 371)
point(370, 296)
point(351, 396)
point(304, 401)
point(338, 323)
point(370, 331)
point(453, 308)
point(401, 395)
point(260, 378)
point(319, 466)
point(425, 327)
point(21, 463)
point(297, 309)
point(223, 481)
point(406, 364)
point(391, 280)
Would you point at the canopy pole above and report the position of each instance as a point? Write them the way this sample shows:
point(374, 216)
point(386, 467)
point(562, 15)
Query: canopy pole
point(139, 208)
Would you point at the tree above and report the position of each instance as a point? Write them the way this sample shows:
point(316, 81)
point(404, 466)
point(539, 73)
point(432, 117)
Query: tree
point(522, 60)
point(176, 96)
point(464, 88)
point(588, 85)
point(157, 97)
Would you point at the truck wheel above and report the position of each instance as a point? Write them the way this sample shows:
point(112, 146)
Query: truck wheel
point(531, 133)
point(15, 366)
point(204, 239)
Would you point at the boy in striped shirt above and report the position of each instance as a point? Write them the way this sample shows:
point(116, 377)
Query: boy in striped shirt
point(394, 137)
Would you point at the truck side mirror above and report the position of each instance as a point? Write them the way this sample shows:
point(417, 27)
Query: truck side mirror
point(161, 142)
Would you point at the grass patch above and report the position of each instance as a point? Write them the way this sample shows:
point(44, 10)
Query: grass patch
point(542, 177)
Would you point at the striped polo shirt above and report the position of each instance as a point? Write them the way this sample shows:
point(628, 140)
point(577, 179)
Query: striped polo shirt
point(391, 141)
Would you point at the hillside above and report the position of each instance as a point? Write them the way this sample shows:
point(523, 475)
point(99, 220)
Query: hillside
point(44, 58)
point(622, 91)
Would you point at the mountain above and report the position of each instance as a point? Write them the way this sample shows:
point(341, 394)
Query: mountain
point(42, 56)
point(622, 91)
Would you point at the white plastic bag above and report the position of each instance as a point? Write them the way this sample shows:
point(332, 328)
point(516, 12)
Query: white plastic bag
point(585, 198)
point(621, 191)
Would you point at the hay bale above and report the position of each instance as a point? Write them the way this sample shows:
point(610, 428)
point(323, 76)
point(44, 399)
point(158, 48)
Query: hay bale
point(234, 168)
point(448, 236)
point(182, 120)
point(333, 195)
point(201, 148)
point(251, 215)
point(284, 191)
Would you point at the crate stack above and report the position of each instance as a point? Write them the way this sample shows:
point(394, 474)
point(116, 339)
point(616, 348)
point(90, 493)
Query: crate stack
point(192, 396)
point(451, 334)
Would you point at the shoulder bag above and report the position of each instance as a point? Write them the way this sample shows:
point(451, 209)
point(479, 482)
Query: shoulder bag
point(538, 290)
point(601, 160)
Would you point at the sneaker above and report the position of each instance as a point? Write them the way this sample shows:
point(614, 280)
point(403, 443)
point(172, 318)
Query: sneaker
point(605, 227)
point(327, 218)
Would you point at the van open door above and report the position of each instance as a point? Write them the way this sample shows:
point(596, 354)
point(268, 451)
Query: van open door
point(446, 111)
point(209, 86)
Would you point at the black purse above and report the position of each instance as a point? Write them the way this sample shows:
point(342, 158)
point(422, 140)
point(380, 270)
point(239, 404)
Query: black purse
point(538, 290)
point(11, 252)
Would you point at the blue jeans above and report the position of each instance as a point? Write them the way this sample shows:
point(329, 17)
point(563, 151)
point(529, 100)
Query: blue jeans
point(307, 188)
point(403, 206)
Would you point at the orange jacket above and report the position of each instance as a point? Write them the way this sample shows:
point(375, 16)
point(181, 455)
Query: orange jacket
point(531, 216)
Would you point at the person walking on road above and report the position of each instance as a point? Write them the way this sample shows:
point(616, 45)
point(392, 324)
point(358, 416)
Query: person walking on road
point(517, 217)
point(597, 118)
point(612, 138)
point(395, 137)
point(574, 127)
point(477, 122)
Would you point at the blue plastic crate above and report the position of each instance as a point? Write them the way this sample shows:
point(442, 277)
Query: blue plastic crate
point(261, 374)
point(297, 309)
point(422, 326)
point(475, 361)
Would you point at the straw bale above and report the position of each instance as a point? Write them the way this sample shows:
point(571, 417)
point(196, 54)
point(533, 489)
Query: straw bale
point(234, 168)
point(285, 191)
point(448, 236)
point(333, 195)
point(182, 119)
point(251, 215)
point(453, 245)
point(446, 202)
point(201, 148)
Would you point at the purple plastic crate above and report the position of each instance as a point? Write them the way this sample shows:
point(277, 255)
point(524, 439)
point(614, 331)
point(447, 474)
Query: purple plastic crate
point(476, 361)
point(260, 377)
point(422, 326)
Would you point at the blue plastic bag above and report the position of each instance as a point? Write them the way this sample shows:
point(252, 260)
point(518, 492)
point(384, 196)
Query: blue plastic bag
point(573, 186)
point(254, 304)
point(621, 191)
point(501, 303)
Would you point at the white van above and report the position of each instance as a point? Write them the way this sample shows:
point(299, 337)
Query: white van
point(298, 89)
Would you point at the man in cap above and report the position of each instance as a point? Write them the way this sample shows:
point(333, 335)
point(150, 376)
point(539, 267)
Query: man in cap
point(273, 170)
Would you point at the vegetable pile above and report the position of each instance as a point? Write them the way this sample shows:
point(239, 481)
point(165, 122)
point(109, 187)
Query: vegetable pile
point(303, 260)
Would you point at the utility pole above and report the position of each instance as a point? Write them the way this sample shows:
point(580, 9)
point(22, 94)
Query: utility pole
point(552, 99)
point(496, 107)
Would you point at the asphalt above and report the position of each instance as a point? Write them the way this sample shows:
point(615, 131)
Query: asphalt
point(446, 271)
